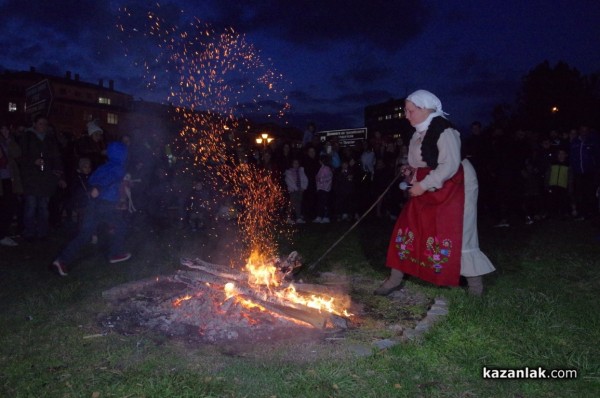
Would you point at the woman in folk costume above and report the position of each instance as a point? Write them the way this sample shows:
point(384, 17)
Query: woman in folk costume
point(435, 236)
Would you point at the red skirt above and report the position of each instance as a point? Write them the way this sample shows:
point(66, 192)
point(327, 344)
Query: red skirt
point(427, 237)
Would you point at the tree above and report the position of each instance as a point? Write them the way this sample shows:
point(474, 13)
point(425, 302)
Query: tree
point(557, 97)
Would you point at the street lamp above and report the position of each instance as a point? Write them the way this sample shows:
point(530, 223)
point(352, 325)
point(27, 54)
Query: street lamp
point(264, 140)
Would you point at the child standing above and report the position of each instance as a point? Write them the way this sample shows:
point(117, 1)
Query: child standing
point(324, 180)
point(557, 185)
point(297, 182)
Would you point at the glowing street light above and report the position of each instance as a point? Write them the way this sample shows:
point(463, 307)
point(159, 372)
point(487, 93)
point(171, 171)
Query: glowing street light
point(264, 140)
point(554, 109)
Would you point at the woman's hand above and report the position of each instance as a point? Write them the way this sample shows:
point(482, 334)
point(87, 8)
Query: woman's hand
point(407, 171)
point(416, 190)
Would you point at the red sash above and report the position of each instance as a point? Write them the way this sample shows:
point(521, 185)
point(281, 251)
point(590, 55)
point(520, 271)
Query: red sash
point(427, 237)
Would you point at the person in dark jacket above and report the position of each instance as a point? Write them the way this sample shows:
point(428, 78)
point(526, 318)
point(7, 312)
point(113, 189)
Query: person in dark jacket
point(10, 184)
point(584, 160)
point(105, 192)
point(41, 174)
point(345, 193)
point(79, 191)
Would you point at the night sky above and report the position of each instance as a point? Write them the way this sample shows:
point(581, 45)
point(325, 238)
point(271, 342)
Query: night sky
point(338, 55)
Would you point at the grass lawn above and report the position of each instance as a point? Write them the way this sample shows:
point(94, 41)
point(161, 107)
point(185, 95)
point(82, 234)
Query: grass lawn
point(540, 309)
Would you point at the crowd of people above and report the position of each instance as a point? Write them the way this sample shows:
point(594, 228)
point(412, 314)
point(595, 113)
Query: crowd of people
point(524, 177)
point(46, 176)
point(527, 176)
point(326, 182)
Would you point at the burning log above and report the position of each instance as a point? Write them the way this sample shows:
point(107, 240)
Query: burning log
point(207, 276)
point(314, 318)
point(214, 269)
point(290, 264)
point(273, 303)
point(286, 267)
point(226, 306)
point(219, 270)
point(196, 278)
point(311, 288)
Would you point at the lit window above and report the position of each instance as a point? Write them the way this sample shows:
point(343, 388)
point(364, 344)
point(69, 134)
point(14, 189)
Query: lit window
point(112, 118)
point(104, 100)
point(12, 107)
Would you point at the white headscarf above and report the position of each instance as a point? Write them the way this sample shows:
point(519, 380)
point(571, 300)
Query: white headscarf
point(426, 100)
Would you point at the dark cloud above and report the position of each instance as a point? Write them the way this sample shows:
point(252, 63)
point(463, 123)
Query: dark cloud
point(306, 98)
point(340, 111)
point(472, 65)
point(326, 120)
point(78, 35)
point(487, 88)
point(384, 24)
point(365, 97)
point(68, 17)
point(481, 79)
point(55, 35)
point(362, 76)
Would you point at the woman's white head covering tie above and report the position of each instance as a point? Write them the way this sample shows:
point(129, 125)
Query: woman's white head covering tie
point(426, 100)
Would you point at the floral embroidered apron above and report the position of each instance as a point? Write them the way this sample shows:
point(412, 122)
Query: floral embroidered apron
point(427, 238)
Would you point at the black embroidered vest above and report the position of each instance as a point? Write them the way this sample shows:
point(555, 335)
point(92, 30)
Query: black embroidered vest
point(429, 149)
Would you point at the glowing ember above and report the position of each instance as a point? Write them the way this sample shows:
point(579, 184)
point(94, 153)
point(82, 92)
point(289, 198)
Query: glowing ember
point(250, 304)
point(229, 289)
point(230, 292)
point(177, 302)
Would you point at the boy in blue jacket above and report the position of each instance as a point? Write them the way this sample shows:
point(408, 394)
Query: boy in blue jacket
point(105, 184)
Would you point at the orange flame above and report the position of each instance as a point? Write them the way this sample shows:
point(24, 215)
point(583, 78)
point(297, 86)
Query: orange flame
point(262, 273)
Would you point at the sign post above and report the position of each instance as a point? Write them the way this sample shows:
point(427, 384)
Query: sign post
point(38, 99)
point(347, 137)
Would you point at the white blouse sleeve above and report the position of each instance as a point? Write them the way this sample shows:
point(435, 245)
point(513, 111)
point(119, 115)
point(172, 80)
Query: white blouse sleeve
point(448, 160)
